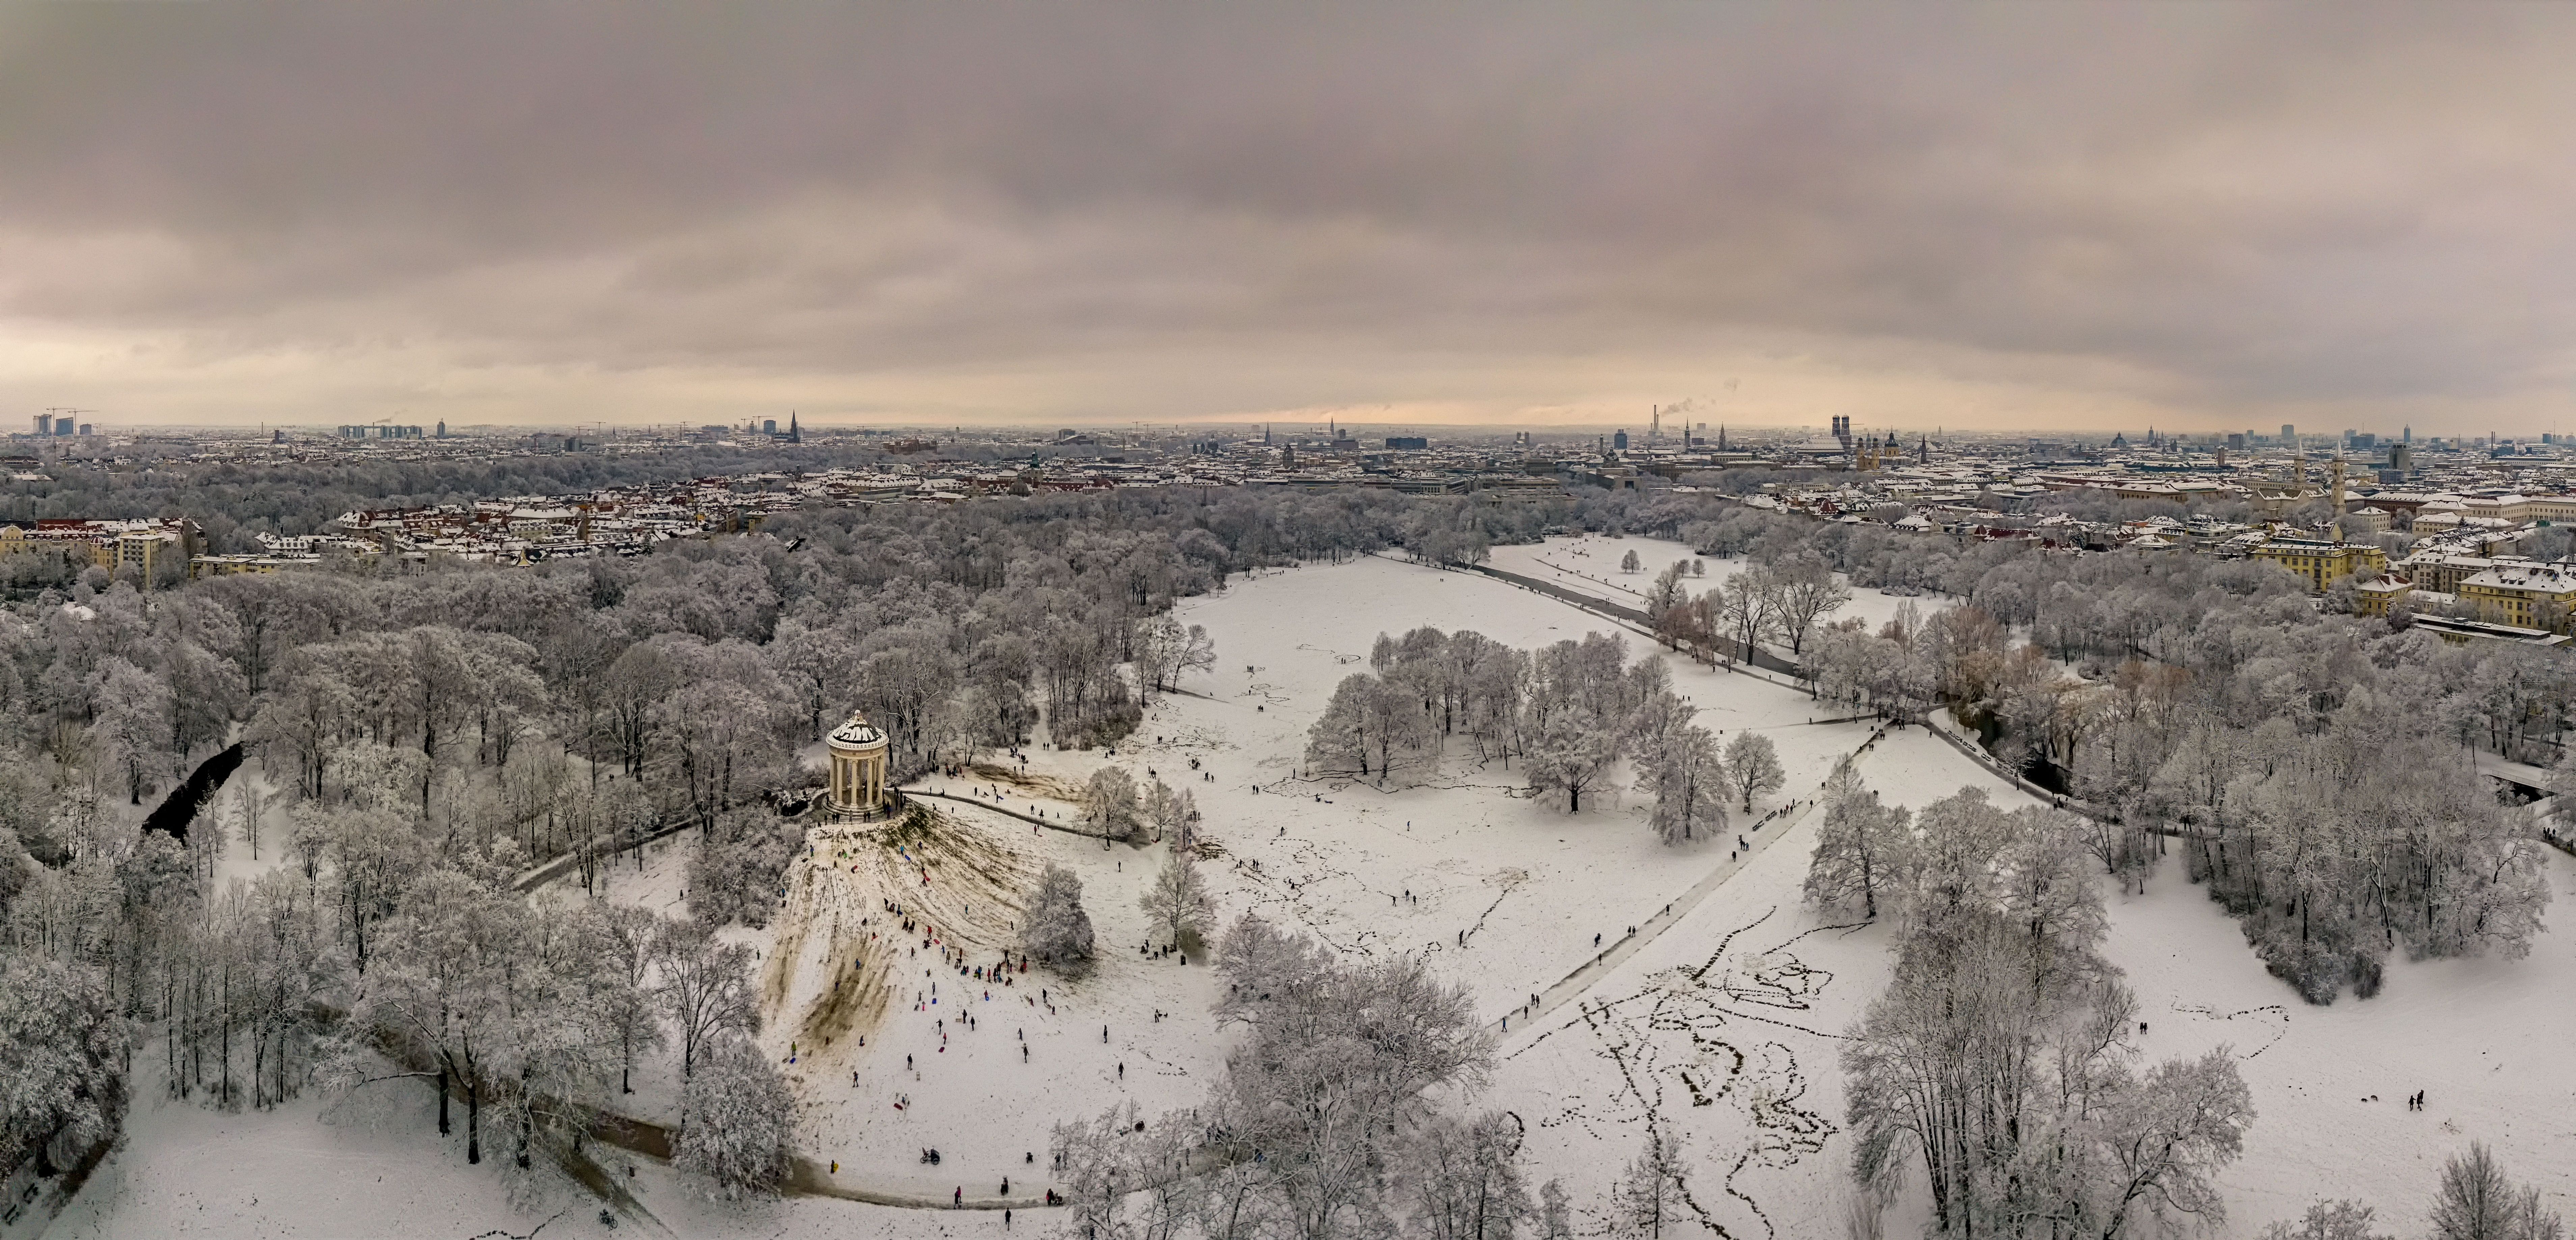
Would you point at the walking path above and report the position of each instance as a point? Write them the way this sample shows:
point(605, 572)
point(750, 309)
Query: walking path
point(1635, 622)
point(1575, 984)
point(1053, 824)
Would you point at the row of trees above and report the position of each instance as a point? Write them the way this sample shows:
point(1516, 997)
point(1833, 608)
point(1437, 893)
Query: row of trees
point(2320, 771)
point(1782, 599)
point(1570, 711)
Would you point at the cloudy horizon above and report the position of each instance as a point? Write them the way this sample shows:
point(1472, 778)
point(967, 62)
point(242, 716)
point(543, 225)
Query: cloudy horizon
point(2067, 216)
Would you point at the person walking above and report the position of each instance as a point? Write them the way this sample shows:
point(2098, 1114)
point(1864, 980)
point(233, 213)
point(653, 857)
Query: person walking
point(959, 1202)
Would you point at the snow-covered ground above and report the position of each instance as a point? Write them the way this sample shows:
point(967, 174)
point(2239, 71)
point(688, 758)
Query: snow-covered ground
point(1589, 564)
point(2492, 1043)
point(1722, 1021)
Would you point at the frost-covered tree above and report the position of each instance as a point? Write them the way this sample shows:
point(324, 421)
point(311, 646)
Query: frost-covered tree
point(133, 722)
point(1555, 1212)
point(1648, 1196)
point(63, 1040)
point(1742, 609)
point(1178, 900)
point(1753, 766)
point(1666, 599)
point(1862, 848)
point(1662, 716)
point(1460, 1180)
point(1690, 787)
point(630, 938)
point(1372, 725)
point(706, 989)
point(1572, 755)
point(2476, 1201)
point(735, 1119)
point(1109, 803)
point(1998, 1058)
point(1333, 1069)
point(1057, 932)
point(2328, 1220)
point(1168, 811)
point(1629, 563)
point(1165, 649)
point(733, 874)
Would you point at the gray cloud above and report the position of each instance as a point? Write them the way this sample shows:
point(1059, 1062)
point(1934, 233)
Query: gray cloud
point(2034, 214)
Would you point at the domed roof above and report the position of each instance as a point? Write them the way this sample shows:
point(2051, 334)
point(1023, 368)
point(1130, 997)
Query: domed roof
point(858, 733)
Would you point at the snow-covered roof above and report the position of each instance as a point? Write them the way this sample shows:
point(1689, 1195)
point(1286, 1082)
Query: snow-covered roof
point(858, 733)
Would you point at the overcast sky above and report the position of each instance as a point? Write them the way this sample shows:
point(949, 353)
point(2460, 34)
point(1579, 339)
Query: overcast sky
point(2043, 214)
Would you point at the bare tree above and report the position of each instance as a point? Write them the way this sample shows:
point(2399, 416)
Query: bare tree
point(1803, 588)
point(2328, 1220)
point(1460, 1181)
point(2477, 1202)
point(1742, 608)
point(706, 989)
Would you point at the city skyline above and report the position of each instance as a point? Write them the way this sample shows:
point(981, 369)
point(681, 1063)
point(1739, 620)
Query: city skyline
point(2195, 218)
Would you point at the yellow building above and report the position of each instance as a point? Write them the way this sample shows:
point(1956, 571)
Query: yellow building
point(2381, 594)
point(2320, 562)
point(2527, 595)
point(113, 545)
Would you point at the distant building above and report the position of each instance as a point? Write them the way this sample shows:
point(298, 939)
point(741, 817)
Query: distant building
point(2462, 632)
point(1415, 443)
point(116, 546)
point(1619, 441)
point(2382, 593)
point(2321, 562)
point(2523, 594)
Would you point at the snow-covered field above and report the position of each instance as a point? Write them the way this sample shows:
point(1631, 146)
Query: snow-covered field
point(2491, 1042)
point(1721, 1020)
point(1589, 564)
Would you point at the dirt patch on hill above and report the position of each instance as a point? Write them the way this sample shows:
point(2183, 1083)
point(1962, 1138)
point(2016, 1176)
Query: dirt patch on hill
point(871, 899)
